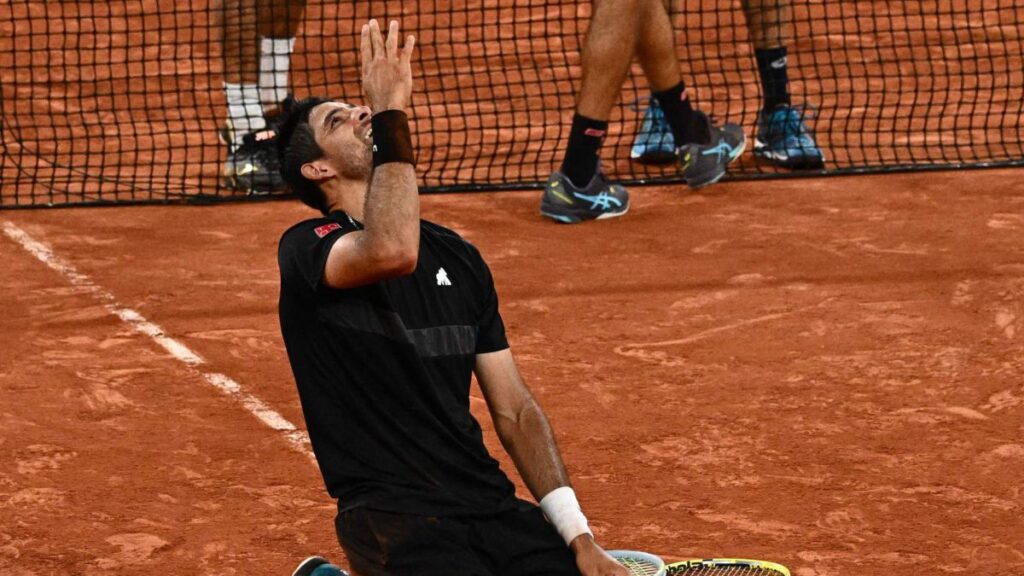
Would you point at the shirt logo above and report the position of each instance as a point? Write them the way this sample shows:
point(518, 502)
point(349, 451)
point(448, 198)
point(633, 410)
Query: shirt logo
point(326, 229)
point(442, 278)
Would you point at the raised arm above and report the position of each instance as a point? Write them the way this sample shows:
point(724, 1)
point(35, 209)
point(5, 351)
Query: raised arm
point(388, 245)
point(525, 433)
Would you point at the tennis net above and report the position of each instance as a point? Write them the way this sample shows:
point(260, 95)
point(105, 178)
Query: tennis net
point(121, 101)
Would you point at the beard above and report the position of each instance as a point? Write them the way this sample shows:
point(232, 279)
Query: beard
point(356, 163)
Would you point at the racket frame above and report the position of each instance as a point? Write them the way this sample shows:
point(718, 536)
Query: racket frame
point(674, 567)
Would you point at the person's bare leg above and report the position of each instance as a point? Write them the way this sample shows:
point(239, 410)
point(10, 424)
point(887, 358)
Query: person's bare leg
point(782, 137)
point(657, 52)
point(656, 47)
point(240, 41)
point(770, 22)
point(280, 18)
point(277, 26)
point(607, 55)
point(241, 68)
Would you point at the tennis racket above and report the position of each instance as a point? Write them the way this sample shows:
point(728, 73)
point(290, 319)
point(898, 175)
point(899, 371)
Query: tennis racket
point(644, 564)
point(726, 567)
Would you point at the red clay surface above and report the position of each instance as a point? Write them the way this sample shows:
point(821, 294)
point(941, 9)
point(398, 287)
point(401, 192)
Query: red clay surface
point(825, 373)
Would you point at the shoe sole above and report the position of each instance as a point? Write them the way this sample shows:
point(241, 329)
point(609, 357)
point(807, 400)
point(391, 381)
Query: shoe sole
point(568, 219)
point(784, 161)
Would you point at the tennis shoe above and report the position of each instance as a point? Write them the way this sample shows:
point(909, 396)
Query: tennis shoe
point(704, 164)
point(654, 144)
point(600, 199)
point(253, 166)
point(783, 139)
point(317, 566)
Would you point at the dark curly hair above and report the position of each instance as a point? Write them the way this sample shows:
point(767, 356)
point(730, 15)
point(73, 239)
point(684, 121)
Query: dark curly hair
point(296, 146)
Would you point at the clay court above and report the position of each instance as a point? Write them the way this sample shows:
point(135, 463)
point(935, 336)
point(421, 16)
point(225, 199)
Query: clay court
point(825, 373)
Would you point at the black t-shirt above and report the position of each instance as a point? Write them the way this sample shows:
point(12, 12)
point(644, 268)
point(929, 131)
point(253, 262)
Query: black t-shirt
point(384, 370)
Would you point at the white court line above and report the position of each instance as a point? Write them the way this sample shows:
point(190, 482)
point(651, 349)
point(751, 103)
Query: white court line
point(296, 438)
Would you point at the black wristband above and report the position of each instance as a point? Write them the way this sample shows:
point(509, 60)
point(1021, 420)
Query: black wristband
point(391, 139)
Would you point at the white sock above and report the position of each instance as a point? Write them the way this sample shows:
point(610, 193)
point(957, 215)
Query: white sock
point(244, 109)
point(275, 60)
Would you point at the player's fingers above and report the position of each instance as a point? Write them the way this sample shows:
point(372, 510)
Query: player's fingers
point(376, 39)
point(410, 43)
point(392, 41)
point(365, 47)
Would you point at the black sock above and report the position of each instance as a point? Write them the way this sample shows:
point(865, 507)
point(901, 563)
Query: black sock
point(679, 115)
point(580, 163)
point(771, 64)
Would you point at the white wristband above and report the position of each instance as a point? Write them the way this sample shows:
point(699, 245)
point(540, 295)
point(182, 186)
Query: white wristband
point(564, 513)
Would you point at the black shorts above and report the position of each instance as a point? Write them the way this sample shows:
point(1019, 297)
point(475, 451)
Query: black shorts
point(516, 543)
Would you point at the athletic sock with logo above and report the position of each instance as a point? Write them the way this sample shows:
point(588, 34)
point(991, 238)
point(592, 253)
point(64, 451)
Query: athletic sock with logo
point(675, 102)
point(772, 65)
point(585, 138)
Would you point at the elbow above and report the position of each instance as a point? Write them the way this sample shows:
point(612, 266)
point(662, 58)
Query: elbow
point(397, 261)
point(511, 424)
point(405, 262)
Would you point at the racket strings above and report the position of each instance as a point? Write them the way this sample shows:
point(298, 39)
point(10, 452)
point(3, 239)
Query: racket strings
point(639, 563)
point(640, 567)
point(721, 570)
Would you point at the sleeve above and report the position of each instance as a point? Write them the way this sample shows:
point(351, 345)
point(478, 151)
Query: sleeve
point(303, 251)
point(491, 328)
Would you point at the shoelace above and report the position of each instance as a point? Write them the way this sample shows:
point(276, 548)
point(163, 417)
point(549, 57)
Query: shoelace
point(795, 124)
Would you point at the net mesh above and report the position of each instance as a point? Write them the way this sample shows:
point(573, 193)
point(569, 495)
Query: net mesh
point(121, 100)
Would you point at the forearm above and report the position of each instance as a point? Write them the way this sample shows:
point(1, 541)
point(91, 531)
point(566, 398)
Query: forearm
point(526, 435)
point(391, 213)
point(528, 439)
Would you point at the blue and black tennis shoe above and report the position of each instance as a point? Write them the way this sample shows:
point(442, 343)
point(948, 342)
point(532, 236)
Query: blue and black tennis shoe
point(783, 139)
point(600, 199)
point(702, 164)
point(705, 164)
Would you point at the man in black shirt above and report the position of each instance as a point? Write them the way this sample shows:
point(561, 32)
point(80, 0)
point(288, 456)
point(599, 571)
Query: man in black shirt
point(385, 317)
